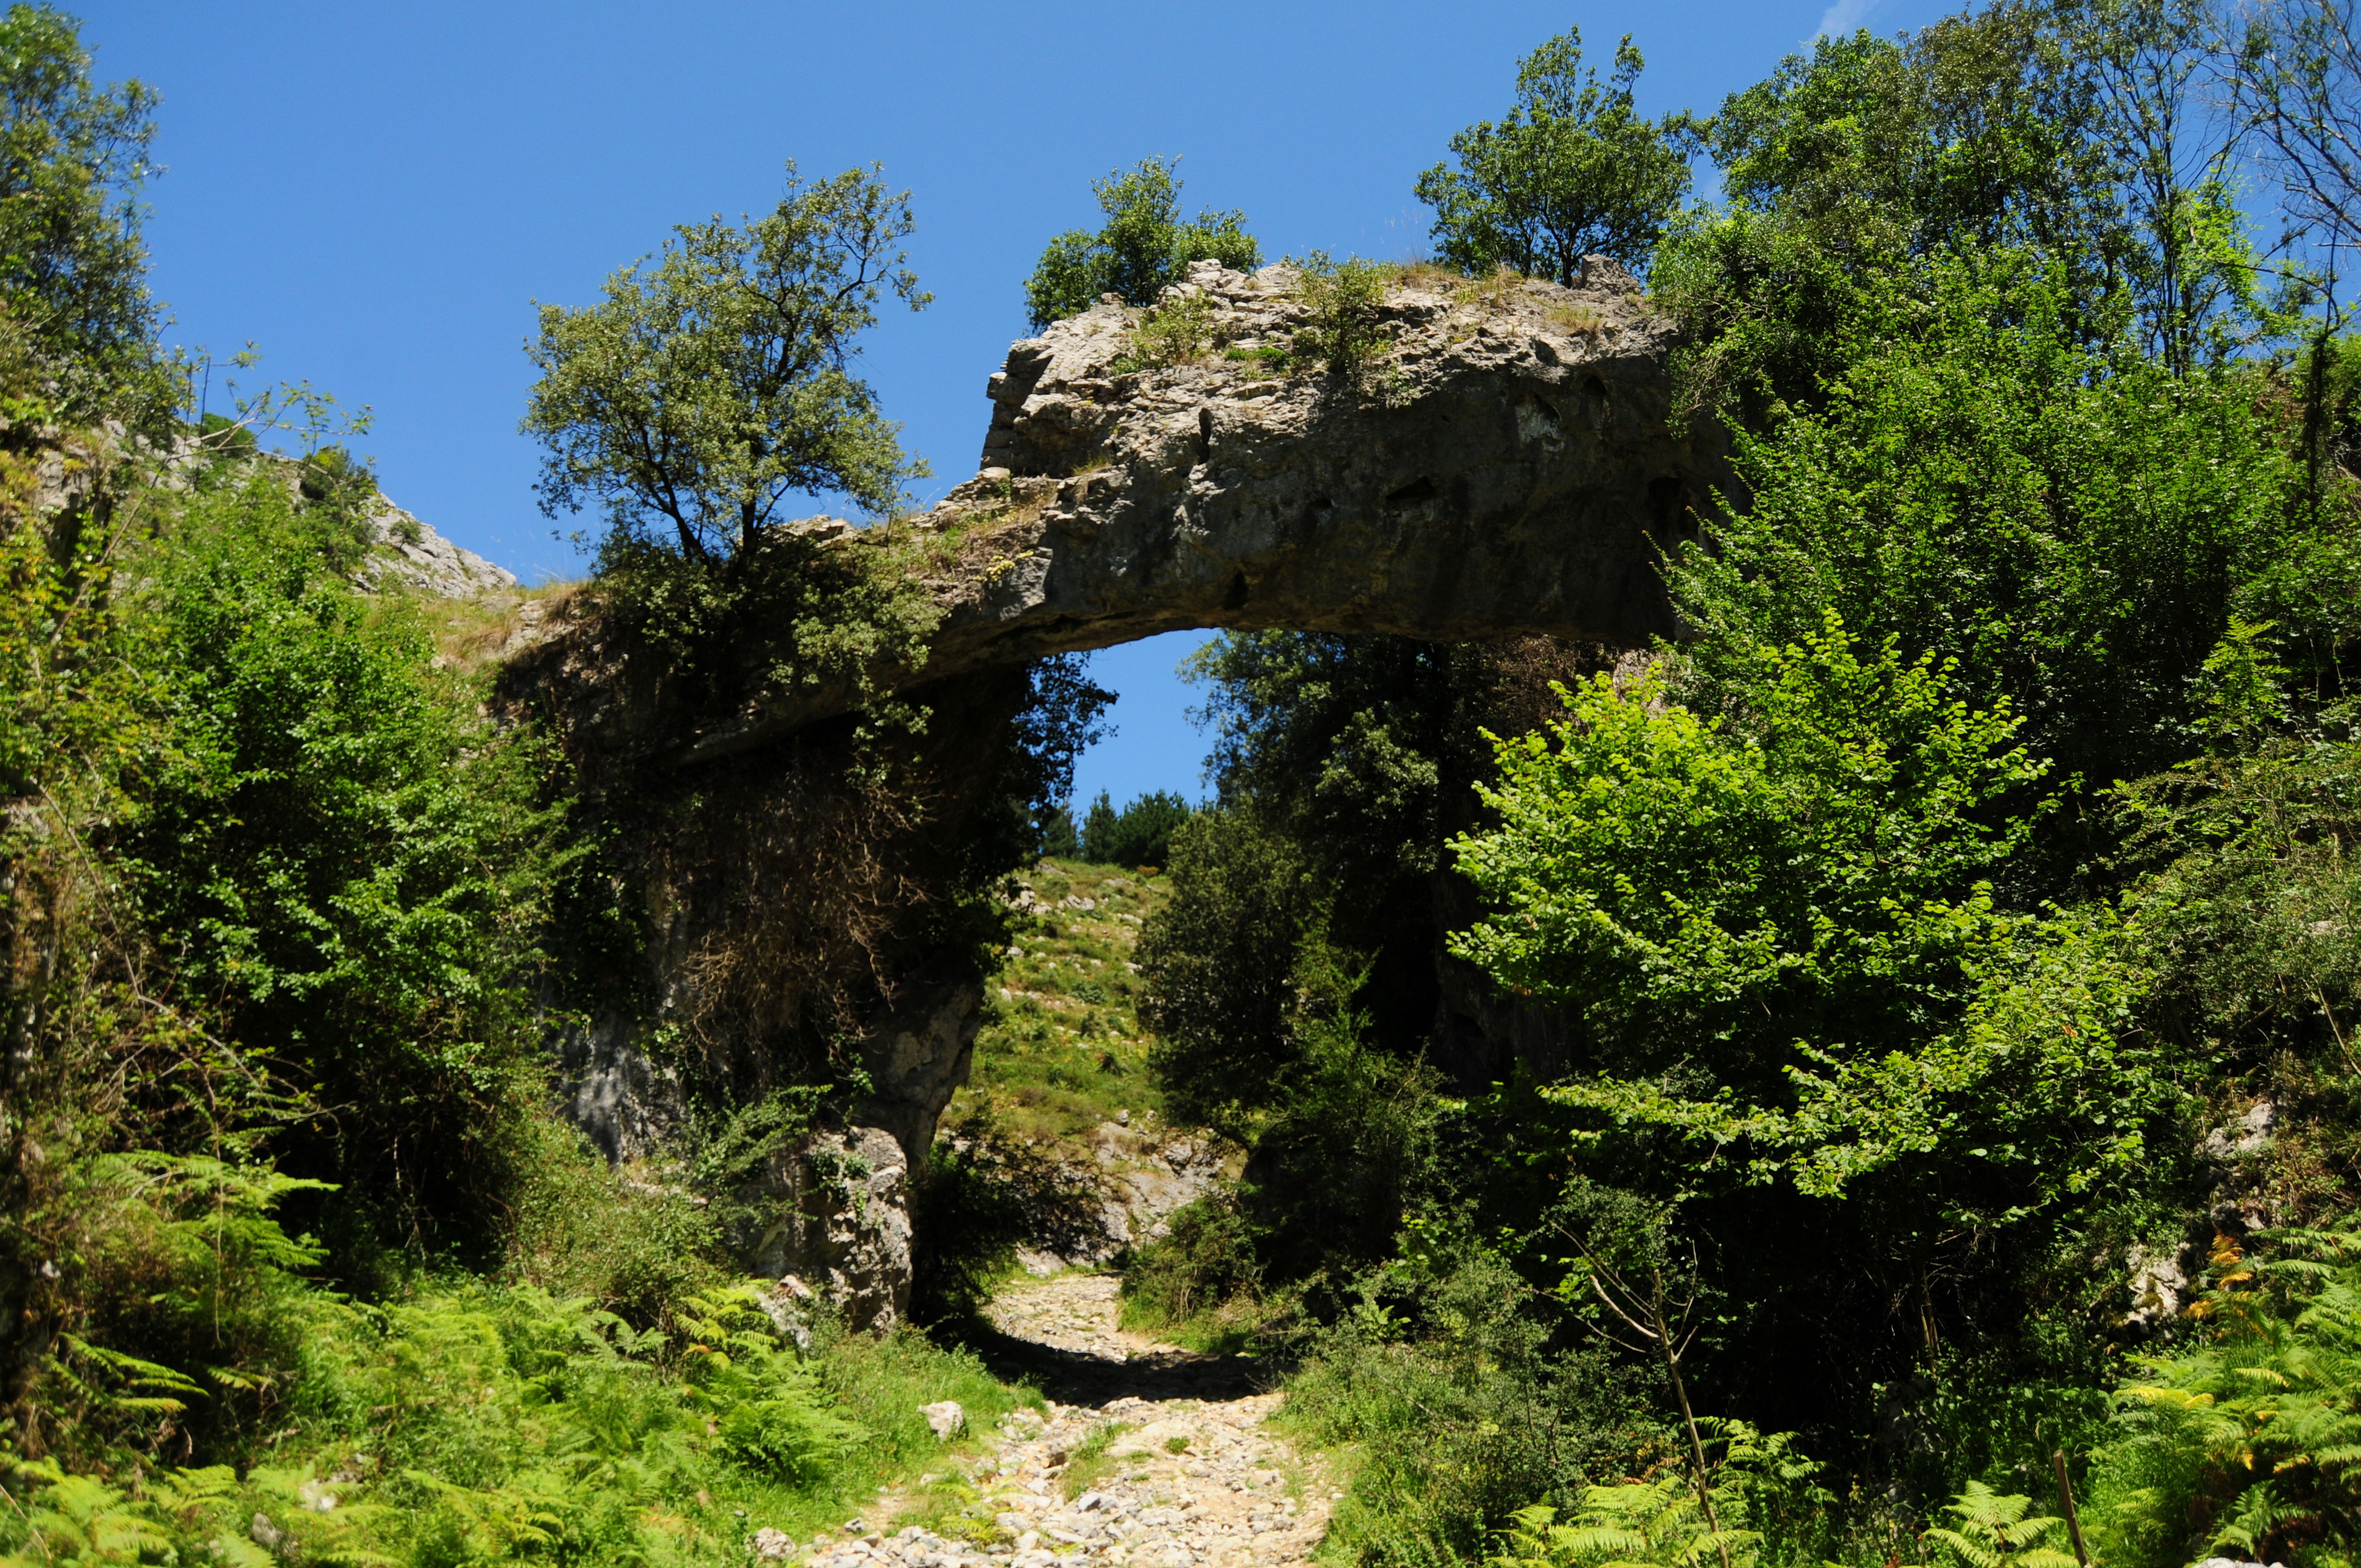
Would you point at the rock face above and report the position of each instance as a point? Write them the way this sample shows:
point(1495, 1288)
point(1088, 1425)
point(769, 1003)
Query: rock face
point(412, 555)
point(1505, 469)
point(839, 1217)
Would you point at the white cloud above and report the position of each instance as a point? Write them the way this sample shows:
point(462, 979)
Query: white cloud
point(1843, 16)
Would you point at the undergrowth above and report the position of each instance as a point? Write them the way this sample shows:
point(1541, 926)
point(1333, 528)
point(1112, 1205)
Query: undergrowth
point(466, 1421)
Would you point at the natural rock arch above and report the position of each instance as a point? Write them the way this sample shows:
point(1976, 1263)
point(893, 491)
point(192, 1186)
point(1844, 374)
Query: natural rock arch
point(1506, 469)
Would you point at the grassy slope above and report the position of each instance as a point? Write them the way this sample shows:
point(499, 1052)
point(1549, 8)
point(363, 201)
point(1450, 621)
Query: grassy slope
point(1062, 1051)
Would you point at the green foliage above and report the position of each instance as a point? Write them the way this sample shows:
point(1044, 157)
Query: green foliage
point(1058, 836)
point(1365, 1121)
point(580, 1227)
point(1572, 170)
point(2071, 136)
point(2065, 525)
point(702, 392)
point(1143, 247)
point(1139, 835)
point(1220, 964)
point(983, 1192)
point(1658, 1524)
point(1807, 892)
point(1200, 1278)
point(2243, 1440)
point(73, 156)
point(192, 1307)
point(1178, 332)
point(1995, 1532)
point(469, 1424)
point(345, 858)
point(1460, 1413)
point(1341, 330)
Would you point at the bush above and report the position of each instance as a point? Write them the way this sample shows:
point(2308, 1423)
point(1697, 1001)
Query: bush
point(1462, 1413)
point(347, 860)
point(1143, 245)
point(1349, 1147)
point(1342, 330)
point(1200, 1278)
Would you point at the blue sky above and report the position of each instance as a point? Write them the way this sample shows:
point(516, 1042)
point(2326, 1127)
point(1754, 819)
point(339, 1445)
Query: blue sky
point(374, 195)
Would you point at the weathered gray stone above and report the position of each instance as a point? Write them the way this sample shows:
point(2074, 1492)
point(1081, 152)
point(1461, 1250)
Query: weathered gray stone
point(916, 1054)
point(1507, 469)
point(411, 554)
point(838, 1213)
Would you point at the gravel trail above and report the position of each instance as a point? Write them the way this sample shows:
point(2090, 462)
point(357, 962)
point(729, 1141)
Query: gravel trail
point(1188, 1475)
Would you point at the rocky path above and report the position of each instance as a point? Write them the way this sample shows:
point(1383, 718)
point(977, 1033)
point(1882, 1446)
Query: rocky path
point(1147, 1455)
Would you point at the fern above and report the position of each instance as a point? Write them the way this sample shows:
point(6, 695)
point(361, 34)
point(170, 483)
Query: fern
point(2247, 1441)
point(80, 1520)
point(1996, 1531)
point(1639, 1524)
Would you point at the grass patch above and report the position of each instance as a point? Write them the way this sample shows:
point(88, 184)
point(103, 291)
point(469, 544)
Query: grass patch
point(1577, 320)
point(1091, 1461)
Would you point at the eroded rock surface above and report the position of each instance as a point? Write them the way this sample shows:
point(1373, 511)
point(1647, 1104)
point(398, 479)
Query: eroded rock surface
point(837, 1215)
point(413, 555)
point(1506, 468)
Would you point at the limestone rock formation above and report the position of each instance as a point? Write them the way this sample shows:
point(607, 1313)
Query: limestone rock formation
point(1504, 468)
point(413, 555)
point(839, 1217)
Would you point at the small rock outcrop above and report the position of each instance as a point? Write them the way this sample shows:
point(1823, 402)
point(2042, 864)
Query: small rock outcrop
point(838, 1213)
point(414, 557)
point(1505, 468)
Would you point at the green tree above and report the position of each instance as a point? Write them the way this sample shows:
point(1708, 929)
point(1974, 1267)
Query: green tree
point(1220, 964)
point(2066, 522)
point(347, 865)
point(1143, 247)
point(1573, 169)
point(73, 156)
point(1139, 835)
point(1667, 875)
point(704, 391)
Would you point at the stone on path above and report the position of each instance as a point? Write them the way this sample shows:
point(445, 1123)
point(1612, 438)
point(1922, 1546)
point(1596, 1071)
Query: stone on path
point(1231, 1495)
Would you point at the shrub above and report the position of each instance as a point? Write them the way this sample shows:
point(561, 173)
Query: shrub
point(1462, 1414)
point(1143, 245)
point(1202, 1267)
point(1343, 331)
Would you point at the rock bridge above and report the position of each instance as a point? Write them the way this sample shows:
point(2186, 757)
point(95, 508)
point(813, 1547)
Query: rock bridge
point(1506, 469)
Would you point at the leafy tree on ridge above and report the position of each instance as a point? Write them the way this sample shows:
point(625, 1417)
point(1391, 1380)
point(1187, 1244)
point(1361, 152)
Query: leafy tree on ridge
point(1573, 169)
point(704, 389)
